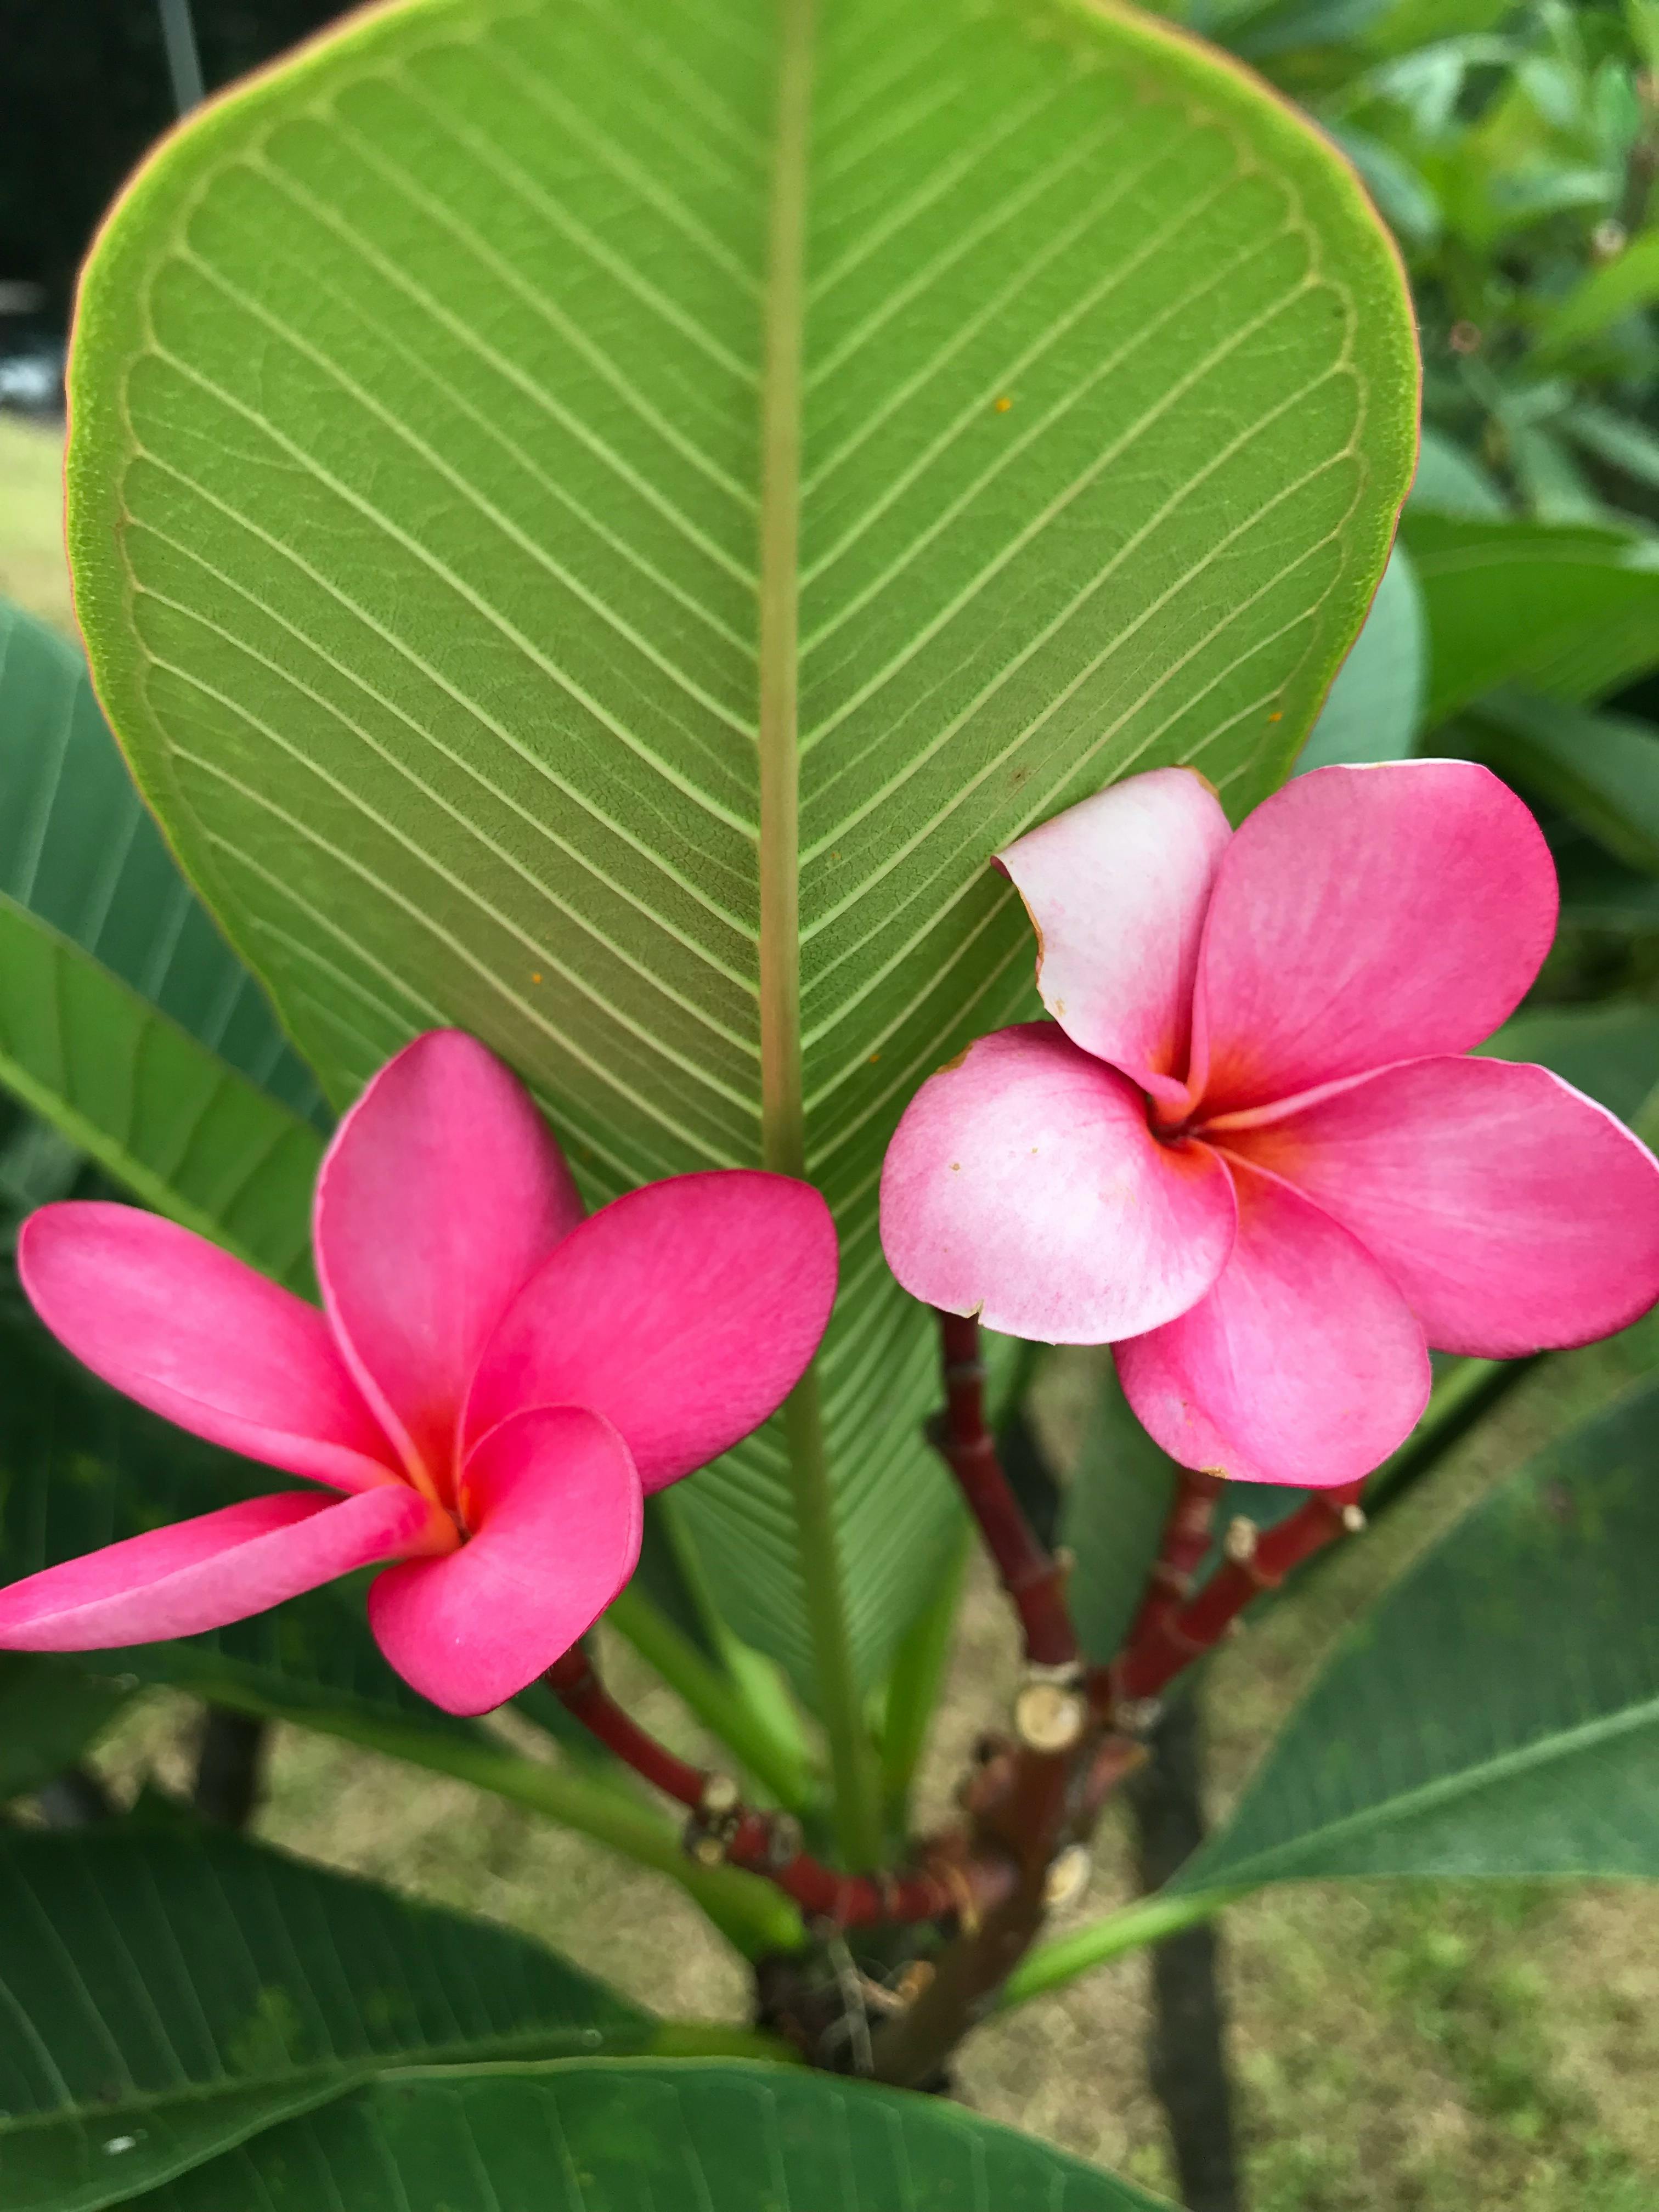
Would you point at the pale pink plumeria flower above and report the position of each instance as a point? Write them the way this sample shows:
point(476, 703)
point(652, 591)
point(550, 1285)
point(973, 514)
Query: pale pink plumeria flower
point(1251, 1157)
point(495, 1382)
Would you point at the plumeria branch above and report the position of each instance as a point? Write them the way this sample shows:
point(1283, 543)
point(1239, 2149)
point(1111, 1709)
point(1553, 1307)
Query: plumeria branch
point(1036, 1798)
point(1169, 1637)
point(1033, 1577)
point(723, 1831)
point(1182, 1549)
point(1033, 1801)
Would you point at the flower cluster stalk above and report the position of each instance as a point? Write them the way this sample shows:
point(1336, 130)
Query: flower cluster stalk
point(1033, 1579)
point(1167, 1638)
point(1034, 1799)
point(723, 1831)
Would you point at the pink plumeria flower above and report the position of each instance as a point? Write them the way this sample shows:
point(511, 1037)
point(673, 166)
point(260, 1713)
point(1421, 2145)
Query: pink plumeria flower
point(1251, 1156)
point(496, 1381)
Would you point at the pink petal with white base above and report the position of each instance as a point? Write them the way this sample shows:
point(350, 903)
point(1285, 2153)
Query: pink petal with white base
point(554, 1502)
point(1302, 1365)
point(441, 1193)
point(1363, 915)
point(199, 1337)
point(685, 1312)
point(1514, 1213)
point(1116, 888)
point(218, 1568)
point(1024, 1184)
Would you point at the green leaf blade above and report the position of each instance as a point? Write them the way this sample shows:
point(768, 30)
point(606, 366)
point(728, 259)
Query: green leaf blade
point(1568, 611)
point(576, 2136)
point(183, 1132)
point(1497, 1713)
point(52, 1711)
point(79, 852)
point(419, 501)
point(172, 1994)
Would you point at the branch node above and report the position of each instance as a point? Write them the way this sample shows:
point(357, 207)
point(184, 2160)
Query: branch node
point(1050, 1710)
point(720, 1798)
point(1241, 1540)
point(1067, 1876)
point(705, 1845)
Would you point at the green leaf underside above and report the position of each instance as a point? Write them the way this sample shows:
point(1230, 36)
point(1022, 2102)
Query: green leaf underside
point(166, 1995)
point(417, 507)
point(647, 2136)
point(1565, 611)
point(1498, 1712)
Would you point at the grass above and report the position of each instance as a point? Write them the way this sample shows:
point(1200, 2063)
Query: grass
point(1410, 2047)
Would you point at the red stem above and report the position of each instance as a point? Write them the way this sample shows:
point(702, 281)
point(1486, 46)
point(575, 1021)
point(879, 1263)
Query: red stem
point(1033, 1579)
point(1181, 1552)
point(575, 1682)
point(946, 1887)
point(1175, 1636)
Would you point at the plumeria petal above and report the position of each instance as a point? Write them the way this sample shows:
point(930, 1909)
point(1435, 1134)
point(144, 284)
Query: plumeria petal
point(1116, 888)
point(198, 1337)
point(553, 1501)
point(1024, 1184)
point(1302, 1365)
point(1364, 915)
point(685, 1312)
point(1514, 1213)
point(441, 1193)
point(218, 1568)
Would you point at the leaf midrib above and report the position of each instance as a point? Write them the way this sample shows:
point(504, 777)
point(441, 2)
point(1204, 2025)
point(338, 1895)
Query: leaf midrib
point(337, 2076)
point(783, 1121)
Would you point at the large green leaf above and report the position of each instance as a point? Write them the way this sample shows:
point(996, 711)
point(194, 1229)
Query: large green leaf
point(124, 1017)
point(168, 1995)
point(593, 522)
point(1568, 611)
point(647, 2136)
point(1497, 1711)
